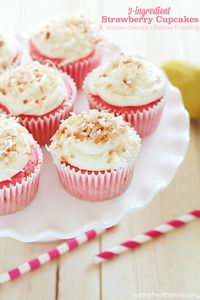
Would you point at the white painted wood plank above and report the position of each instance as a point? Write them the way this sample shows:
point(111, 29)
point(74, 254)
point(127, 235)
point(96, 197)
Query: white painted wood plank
point(169, 263)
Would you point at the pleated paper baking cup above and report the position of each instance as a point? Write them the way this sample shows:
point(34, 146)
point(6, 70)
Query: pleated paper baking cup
point(144, 122)
point(18, 196)
point(78, 70)
point(95, 185)
point(44, 127)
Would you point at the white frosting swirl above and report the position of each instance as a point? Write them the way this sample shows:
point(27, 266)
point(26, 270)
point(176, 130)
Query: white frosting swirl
point(95, 141)
point(67, 37)
point(33, 89)
point(128, 81)
point(9, 49)
point(15, 147)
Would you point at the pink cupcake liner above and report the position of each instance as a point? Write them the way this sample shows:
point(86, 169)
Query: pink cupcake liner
point(44, 127)
point(95, 185)
point(78, 70)
point(144, 122)
point(18, 196)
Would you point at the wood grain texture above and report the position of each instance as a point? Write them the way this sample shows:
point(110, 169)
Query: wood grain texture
point(169, 264)
point(40, 285)
point(78, 277)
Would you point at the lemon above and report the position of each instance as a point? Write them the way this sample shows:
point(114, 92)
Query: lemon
point(186, 77)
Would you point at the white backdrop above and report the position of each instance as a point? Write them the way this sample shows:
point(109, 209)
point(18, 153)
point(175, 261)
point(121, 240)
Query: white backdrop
point(22, 16)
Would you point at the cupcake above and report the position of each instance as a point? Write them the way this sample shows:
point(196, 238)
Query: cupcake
point(10, 53)
point(39, 95)
point(70, 42)
point(95, 154)
point(131, 87)
point(20, 163)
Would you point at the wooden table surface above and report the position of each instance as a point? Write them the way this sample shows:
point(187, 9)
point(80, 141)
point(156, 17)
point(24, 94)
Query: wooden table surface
point(170, 264)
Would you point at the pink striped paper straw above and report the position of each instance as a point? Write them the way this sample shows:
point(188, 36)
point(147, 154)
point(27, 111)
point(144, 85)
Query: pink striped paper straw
point(147, 236)
point(52, 254)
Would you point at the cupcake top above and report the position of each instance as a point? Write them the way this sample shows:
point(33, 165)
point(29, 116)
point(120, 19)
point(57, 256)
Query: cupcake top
point(128, 81)
point(33, 89)
point(95, 141)
point(15, 147)
point(67, 37)
point(9, 49)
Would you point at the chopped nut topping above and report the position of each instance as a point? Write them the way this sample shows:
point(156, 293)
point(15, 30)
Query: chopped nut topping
point(125, 81)
point(109, 85)
point(121, 75)
point(63, 158)
point(4, 65)
point(8, 51)
point(20, 89)
point(93, 140)
point(110, 156)
point(42, 89)
point(14, 139)
point(3, 91)
point(47, 35)
point(98, 127)
point(24, 76)
point(103, 75)
point(31, 83)
point(65, 35)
